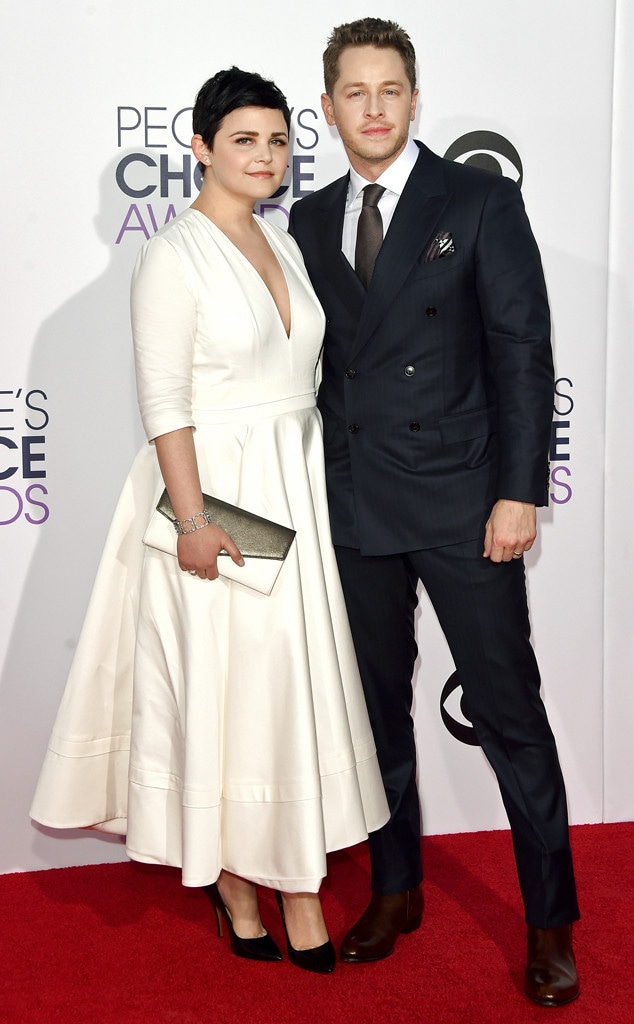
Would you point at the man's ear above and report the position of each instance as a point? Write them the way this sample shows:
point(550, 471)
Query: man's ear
point(328, 108)
point(412, 109)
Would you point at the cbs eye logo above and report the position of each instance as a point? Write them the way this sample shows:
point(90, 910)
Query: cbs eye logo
point(454, 712)
point(490, 151)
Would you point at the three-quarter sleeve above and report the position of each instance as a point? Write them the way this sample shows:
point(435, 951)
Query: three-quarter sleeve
point(164, 315)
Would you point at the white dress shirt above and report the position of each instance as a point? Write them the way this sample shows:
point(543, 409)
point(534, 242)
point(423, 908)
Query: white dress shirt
point(393, 181)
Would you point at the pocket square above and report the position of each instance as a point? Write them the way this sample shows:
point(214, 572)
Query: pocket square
point(442, 245)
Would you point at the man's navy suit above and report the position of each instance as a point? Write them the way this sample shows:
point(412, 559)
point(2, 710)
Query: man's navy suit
point(436, 401)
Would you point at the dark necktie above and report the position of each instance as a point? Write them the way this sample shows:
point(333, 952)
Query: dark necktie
point(369, 234)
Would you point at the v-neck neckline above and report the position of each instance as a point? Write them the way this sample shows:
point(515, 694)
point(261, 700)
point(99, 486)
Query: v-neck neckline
point(257, 272)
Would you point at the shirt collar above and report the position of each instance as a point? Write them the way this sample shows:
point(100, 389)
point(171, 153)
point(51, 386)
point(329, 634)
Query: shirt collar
point(393, 178)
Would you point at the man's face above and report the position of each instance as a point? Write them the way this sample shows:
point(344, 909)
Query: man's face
point(371, 106)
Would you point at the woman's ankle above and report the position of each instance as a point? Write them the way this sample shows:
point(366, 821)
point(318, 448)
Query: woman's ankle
point(240, 897)
point(304, 919)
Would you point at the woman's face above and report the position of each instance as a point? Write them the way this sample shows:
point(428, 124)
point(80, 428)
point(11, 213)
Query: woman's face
point(250, 153)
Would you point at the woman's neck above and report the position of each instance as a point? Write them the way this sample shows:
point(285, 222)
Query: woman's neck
point(232, 214)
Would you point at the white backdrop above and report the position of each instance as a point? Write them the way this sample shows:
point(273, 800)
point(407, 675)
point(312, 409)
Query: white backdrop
point(619, 538)
point(95, 137)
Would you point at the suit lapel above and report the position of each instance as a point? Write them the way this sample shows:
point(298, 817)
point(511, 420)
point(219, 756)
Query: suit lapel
point(409, 234)
point(335, 267)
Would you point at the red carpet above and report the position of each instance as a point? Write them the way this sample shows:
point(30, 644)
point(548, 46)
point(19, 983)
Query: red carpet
point(127, 943)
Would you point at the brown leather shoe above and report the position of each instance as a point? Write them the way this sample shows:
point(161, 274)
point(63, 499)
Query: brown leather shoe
point(551, 975)
point(387, 917)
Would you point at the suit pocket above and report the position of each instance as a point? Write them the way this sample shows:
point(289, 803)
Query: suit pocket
point(466, 426)
point(470, 439)
point(442, 265)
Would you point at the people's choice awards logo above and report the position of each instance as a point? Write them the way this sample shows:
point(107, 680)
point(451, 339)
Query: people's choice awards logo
point(560, 443)
point(23, 418)
point(160, 175)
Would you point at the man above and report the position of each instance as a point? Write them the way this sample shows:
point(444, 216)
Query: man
point(437, 401)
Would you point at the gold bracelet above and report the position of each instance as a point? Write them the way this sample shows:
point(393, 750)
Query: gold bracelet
point(179, 524)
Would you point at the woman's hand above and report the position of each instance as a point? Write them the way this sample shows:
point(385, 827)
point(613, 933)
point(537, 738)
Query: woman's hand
point(198, 551)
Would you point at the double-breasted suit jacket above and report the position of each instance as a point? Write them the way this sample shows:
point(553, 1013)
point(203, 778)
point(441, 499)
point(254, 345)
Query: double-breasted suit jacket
point(437, 401)
point(437, 383)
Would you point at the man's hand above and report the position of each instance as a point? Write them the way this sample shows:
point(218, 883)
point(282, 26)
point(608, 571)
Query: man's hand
point(510, 531)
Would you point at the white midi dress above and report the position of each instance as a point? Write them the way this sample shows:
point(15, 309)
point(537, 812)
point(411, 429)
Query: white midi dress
point(215, 726)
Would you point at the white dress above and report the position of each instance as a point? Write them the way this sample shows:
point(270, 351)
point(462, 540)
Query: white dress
point(217, 727)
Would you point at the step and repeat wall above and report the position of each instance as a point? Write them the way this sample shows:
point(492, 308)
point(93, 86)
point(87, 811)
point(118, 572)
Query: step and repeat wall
point(96, 124)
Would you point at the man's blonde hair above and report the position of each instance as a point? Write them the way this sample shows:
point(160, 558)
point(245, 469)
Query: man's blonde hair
point(367, 32)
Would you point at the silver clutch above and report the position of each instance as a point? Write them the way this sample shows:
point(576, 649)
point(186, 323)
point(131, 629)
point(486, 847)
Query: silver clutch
point(264, 544)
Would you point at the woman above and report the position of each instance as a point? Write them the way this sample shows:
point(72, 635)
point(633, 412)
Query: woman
point(250, 754)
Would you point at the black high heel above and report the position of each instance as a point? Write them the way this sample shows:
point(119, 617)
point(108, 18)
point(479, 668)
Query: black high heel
point(263, 948)
point(320, 959)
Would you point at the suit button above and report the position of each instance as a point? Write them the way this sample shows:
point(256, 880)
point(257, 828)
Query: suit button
point(414, 427)
point(353, 428)
point(410, 371)
point(431, 311)
point(351, 374)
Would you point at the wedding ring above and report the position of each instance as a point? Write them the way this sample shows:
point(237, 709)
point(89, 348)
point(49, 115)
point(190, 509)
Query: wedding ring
point(192, 572)
point(517, 554)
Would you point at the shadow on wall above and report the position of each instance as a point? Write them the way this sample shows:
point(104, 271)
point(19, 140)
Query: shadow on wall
point(83, 362)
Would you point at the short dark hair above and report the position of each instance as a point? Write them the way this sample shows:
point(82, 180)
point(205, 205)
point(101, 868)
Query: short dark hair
point(229, 90)
point(368, 32)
